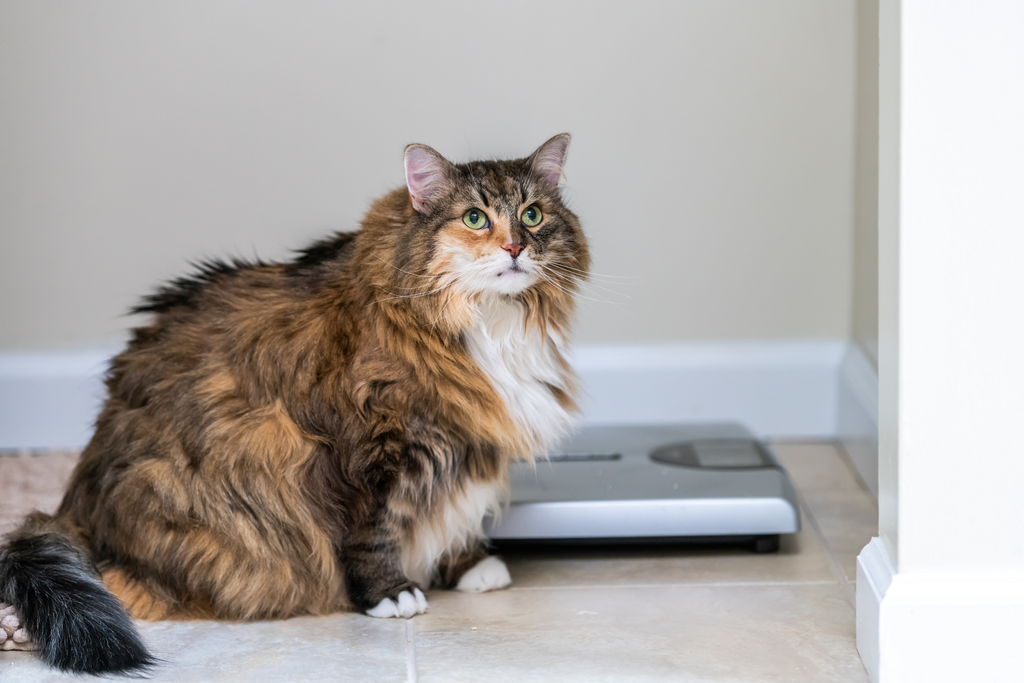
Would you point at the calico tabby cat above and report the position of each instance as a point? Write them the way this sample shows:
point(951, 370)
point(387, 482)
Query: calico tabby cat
point(319, 435)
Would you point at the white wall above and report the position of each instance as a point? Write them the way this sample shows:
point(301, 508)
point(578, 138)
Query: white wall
point(865, 208)
point(858, 399)
point(941, 592)
point(713, 152)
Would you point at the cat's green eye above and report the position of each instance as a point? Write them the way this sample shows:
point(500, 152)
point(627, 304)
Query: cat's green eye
point(532, 216)
point(476, 219)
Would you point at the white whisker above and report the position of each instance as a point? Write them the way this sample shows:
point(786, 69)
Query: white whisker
point(450, 297)
point(590, 273)
point(583, 283)
point(409, 296)
point(548, 277)
point(404, 271)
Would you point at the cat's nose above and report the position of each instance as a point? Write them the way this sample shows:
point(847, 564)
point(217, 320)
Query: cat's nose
point(513, 249)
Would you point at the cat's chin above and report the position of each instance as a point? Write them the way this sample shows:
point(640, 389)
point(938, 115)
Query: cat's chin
point(511, 281)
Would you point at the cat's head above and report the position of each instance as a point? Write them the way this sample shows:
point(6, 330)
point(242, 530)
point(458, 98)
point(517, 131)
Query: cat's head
point(498, 226)
point(479, 229)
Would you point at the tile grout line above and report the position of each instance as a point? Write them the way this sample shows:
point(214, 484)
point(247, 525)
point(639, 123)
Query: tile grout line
point(689, 584)
point(410, 651)
point(833, 563)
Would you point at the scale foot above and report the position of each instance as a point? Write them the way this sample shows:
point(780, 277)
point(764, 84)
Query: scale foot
point(766, 544)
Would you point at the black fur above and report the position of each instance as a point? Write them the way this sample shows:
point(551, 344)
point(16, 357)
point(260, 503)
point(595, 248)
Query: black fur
point(319, 253)
point(77, 625)
point(185, 291)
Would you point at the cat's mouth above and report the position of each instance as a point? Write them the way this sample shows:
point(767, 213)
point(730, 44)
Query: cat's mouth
point(512, 278)
point(514, 269)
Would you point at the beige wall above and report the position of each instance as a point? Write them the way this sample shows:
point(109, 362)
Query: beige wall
point(712, 156)
point(865, 211)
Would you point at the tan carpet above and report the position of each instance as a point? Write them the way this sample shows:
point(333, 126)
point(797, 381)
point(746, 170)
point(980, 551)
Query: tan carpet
point(32, 480)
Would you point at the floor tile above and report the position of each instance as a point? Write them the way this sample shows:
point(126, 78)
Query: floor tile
point(846, 514)
point(792, 632)
point(343, 647)
point(676, 613)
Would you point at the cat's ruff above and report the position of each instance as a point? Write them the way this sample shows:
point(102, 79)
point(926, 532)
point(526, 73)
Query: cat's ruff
point(523, 363)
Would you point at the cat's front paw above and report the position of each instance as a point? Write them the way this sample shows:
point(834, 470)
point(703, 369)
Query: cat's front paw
point(405, 605)
point(12, 632)
point(488, 574)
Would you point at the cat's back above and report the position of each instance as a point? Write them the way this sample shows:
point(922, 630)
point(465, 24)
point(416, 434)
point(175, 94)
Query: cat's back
point(235, 330)
point(219, 287)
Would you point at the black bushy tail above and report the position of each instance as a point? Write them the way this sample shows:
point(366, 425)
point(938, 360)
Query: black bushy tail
point(76, 623)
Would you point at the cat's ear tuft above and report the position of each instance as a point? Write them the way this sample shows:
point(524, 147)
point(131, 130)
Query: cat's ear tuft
point(548, 160)
point(427, 173)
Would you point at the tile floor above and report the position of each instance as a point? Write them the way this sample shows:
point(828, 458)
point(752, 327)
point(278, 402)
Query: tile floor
point(639, 614)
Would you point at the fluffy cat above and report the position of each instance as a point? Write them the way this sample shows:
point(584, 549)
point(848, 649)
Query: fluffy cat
point(320, 435)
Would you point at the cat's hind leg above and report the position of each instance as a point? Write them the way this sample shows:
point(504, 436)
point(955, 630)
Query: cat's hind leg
point(12, 633)
point(150, 601)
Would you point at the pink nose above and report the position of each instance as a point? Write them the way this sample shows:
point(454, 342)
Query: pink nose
point(513, 249)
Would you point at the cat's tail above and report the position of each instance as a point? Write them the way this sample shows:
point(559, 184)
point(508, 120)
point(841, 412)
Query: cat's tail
point(74, 621)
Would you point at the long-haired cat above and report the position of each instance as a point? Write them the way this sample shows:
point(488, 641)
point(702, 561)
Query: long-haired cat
point(320, 435)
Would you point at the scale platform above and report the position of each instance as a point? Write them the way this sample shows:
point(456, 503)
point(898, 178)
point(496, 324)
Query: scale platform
point(664, 483)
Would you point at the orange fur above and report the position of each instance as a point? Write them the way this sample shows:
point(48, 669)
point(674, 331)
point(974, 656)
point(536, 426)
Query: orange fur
point(299, 438)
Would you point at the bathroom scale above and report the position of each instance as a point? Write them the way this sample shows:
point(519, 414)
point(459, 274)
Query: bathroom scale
point(660, 483)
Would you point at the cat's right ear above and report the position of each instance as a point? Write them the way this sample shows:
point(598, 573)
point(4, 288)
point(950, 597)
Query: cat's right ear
point(427, 174)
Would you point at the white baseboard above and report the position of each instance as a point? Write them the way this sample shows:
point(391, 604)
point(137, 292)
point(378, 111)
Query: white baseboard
point(874, 576)
point(858, 413)
point(778, 389)
point(51, 399)
point(941, 627)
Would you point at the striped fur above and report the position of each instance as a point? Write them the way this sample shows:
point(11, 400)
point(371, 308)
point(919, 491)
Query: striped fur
point(328, 433)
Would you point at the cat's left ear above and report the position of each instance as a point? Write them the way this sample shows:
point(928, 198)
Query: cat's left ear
point(548, 160)
point(427, 174)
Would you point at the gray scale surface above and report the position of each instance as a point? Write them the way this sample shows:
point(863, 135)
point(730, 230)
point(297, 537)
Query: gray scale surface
point(619, 482)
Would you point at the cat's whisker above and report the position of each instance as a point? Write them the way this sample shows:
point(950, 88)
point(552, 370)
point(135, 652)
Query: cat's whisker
point(420, 286)
point(580, 282)
point(404, 271)
point(548, 278)
point(585, 300)
point(409, 296)
point(589, 274)
point(584, 276)
point(450, 297)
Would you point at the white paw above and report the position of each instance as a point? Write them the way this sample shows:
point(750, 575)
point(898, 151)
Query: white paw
point(12, 634)
point(408, 605)
point(489, 574)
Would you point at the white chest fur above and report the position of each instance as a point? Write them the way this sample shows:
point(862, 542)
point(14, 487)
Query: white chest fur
point(522, 364)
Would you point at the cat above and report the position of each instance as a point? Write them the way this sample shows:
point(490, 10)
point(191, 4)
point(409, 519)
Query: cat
point(320, 435)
